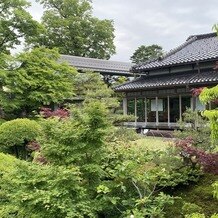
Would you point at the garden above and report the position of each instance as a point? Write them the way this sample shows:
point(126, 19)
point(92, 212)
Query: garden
point(60, 158)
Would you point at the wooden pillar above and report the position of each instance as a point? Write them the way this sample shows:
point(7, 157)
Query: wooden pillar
point(157, 118)
point(124, 106)
point(146, 111)
point(180, 107)
point(168, 110)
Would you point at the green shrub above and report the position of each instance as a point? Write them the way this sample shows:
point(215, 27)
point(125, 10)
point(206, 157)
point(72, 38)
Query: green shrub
point(190, 208)
point(195, 215)
point(197, 128)
point(15, 134)
point(125, 134)
point(31, 190)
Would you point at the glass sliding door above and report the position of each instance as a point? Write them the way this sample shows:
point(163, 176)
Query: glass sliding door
point(174, 109)
point(151, 109)
point(140, 109)
point(186, 103)
point(163, 110)
point(131, 106)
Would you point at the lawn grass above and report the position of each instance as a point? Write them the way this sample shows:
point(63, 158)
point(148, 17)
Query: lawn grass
point(152, 143)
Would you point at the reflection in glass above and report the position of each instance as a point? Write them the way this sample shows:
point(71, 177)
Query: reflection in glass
point(186, 103)
point(131, 107)
point(174, 110)
point(151, 109)
point(163, 110)
point(140, 109)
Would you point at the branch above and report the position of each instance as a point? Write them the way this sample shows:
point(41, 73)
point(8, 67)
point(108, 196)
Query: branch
point(138, 190)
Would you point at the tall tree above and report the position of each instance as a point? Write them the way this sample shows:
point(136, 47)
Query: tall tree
point(15, 24)
point(34, 79)
point(143, 53)
point(71, 27)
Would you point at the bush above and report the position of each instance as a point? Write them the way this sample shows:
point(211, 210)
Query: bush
point(195, 215)
point(197, 128)
point(190, 208)
point(15, 134)
point(124, 134)
point(31, 190)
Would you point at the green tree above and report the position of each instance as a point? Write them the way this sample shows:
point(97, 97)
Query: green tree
point(16, 23)
point(33, 79)
point(90, 87)
point(144, 53)
point(71, 27)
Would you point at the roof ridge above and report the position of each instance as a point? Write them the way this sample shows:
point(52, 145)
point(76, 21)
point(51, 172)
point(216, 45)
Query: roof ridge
point(203, 35)
point(178, 48)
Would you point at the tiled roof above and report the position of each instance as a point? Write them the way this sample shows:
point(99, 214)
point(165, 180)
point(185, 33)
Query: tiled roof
point(98, 65)
point(196, 48)
point(169, 80)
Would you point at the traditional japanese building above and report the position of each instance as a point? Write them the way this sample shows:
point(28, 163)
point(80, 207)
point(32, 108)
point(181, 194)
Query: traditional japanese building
point(104, 67)
point(163, 89)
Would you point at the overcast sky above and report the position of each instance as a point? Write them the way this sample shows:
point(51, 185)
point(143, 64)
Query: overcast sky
point(164, 22)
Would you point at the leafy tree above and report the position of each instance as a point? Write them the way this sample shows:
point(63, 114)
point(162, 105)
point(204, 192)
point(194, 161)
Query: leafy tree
point(16, 23)
point(71, 27)
point(90, 87)
point(144, 53)
point(34, 79)
point(77, 140)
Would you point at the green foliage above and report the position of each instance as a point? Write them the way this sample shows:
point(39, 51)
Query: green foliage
point(195, 215)
point(209, 94)
point(215, 190)
point(144, 53)
point(196, 127)
point(15, 134)
point(136, 176)
point(78, 141)
point(199, 215)
point(206, 96)
point(212, 115)
point(190, 208)
point(124, 134)
point(51, 191)
point(79, 33)
point(16, 23)
point(199, 193)
point(29, 82)
point(90, 87)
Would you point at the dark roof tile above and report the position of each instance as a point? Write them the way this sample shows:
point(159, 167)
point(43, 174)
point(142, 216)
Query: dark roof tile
point(97, 65)
point(169, 80)
point(196, 48)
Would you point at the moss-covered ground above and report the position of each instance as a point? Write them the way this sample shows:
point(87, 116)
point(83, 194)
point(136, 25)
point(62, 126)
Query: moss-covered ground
point(200, 194)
